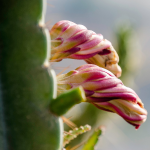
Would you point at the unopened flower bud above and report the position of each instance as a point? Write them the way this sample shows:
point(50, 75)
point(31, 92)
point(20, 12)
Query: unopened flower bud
point(70, 40)
point(104, 90)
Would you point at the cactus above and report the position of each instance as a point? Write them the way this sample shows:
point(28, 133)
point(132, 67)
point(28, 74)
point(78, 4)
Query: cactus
point(28, 86)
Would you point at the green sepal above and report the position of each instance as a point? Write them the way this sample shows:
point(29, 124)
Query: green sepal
point(65, 101)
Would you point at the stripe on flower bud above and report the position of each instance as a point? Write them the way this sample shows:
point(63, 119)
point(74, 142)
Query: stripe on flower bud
point(104, 52)
point(104, 90)
point(132, 112)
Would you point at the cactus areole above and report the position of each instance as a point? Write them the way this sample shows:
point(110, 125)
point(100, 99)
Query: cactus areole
point(26, 86)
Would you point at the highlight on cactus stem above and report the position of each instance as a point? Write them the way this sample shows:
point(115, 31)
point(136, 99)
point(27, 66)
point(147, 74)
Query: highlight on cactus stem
point(104, 90)
point(70, 40)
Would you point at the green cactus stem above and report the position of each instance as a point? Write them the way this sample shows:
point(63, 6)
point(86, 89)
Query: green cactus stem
point(26, 86)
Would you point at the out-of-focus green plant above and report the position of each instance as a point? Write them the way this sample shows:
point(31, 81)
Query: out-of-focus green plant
point(127, 47)
point(72, 134)
point(92, 141)
point(90, 144)
point(92, 116)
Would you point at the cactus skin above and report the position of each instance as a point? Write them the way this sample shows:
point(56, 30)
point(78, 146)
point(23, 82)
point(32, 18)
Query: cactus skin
point(26, 86)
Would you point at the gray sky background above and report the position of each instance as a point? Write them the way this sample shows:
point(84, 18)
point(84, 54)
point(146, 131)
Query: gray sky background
point(101, 16)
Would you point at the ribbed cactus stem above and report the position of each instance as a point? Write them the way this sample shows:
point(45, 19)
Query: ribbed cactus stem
point(26, 86)
point(68, 136)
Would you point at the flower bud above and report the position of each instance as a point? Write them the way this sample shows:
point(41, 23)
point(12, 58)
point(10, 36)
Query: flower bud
point(104, 90)
point(70, 40)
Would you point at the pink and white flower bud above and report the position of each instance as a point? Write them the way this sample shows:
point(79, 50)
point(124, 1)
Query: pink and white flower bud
point(70, 40)
point(104, 90)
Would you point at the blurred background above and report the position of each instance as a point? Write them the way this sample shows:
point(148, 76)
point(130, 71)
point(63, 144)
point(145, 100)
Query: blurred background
point(126, 23)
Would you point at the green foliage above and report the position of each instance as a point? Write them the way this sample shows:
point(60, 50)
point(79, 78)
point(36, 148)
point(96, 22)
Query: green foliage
point(127, 47)
point(123, 33)
point(90, 144)
point(92, 116)
point(68, 136)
